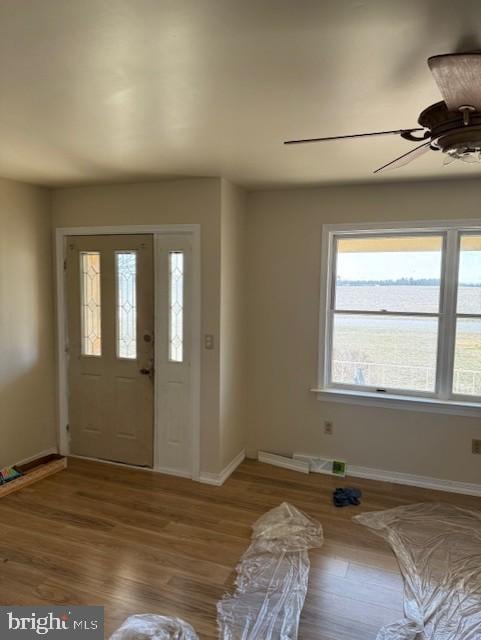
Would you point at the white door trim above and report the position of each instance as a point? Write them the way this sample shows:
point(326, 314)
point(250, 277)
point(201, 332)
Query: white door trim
point(191, 230)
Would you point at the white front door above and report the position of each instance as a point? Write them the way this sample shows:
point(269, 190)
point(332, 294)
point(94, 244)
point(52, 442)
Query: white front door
point(110, 295)
point(130, 352)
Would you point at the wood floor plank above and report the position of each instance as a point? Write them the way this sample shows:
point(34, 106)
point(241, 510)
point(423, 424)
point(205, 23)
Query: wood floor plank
point(140, 542)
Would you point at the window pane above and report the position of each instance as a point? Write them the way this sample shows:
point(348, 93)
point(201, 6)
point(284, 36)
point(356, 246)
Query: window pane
point(385, 352)
point(469, 287)
point(467, 358)
point(126, 267)
point(90, 309)
point(176, 306)
point(386, 273)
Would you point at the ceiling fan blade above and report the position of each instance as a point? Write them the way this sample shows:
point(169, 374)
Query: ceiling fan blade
point(406, 158)
point(355, 135)
point(458, 78)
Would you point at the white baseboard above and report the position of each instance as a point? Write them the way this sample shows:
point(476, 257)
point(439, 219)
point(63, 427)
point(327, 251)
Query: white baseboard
point(40, 454)
point(413, 480)
point(173, 472)
point(218, 479)
point(320, 465)
point(283, 461)
point(369, 473)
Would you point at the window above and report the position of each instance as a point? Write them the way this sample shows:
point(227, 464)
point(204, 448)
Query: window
point(467, 354)
point(126, 270)
point(176, 306)
point(401, 313)
point(90, 308)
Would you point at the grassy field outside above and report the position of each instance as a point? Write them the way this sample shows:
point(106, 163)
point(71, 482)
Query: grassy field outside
point(400, 352)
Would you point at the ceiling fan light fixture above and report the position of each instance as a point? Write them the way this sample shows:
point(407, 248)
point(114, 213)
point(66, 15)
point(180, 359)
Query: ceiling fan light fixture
point(468, 152)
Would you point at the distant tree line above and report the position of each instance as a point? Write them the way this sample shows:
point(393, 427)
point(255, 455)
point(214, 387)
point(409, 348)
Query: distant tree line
point(423, 282)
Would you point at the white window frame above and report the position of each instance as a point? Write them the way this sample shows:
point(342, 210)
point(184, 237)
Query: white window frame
point(441, 400)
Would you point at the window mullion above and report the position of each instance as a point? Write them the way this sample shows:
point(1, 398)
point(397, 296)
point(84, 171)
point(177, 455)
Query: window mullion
point(368, 312)
point(447, 323)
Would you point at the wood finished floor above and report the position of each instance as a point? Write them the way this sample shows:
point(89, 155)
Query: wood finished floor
point(137, 542)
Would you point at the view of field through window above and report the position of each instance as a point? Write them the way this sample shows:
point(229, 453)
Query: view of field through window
point(402, 275)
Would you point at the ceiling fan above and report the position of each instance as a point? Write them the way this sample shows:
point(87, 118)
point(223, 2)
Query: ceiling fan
point(452, 126)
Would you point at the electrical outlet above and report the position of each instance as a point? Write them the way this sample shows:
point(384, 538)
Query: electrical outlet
point(328, 427)
point(476, 447)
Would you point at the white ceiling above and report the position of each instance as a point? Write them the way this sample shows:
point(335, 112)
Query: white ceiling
point(96, 90)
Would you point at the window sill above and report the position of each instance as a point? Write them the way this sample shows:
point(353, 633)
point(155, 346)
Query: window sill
point(391, 401)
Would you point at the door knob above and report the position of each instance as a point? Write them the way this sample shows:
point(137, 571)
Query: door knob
point(148, 371)
point(145, 371)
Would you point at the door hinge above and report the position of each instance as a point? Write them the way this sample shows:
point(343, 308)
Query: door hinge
point(67, 428)
point(65, 265)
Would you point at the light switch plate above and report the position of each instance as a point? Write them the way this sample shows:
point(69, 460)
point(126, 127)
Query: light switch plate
point(208, 341)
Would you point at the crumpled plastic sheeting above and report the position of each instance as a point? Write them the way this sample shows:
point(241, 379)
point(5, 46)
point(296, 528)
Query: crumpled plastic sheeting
point(272, 578)
point(153, 627)
point(438, 547)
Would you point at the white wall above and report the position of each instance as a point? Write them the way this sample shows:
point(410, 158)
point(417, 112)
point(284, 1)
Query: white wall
point(233, 427)
point(284, 236)
point(189, 201)
point(258, 379)
point(27, 362)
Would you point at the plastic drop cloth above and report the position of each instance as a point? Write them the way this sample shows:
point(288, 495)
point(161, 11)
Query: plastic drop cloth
point(272, 578)
point(153, 627)
point(438, 547)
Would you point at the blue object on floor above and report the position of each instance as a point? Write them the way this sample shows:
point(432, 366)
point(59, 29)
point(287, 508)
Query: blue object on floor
point(343, 497)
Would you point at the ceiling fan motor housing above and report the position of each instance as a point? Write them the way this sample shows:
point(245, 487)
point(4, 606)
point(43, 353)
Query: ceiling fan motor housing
point(448, 128)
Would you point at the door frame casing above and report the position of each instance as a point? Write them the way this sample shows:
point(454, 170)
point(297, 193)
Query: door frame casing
point(192, 231)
